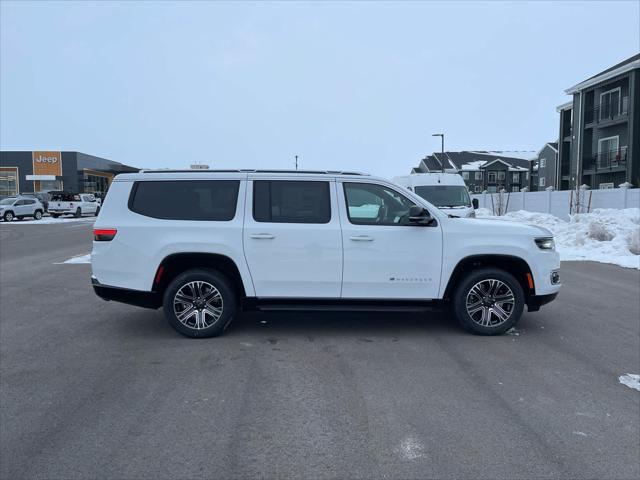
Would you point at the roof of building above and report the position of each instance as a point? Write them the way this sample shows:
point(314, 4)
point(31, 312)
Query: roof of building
point(473, 160)
point(618, 69)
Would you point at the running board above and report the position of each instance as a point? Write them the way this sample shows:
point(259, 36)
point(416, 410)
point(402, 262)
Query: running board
point(347, 305)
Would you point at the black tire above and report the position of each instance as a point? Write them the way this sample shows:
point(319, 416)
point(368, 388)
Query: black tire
point(8, 216)
point(97, 211)
point(227, 301)
point(487, 320)
point(37, 215)
point(78, 213)
point(55, 215)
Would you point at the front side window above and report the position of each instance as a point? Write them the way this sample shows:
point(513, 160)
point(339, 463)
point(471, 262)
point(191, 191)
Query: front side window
point(7, 201)
point(284, 201)
point(371, 204)
point(212, 200)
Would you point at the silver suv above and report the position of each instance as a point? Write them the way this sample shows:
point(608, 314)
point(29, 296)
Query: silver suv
point(20, 207)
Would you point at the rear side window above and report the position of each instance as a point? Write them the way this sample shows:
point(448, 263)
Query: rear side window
point(212, 200)
point(283, 201)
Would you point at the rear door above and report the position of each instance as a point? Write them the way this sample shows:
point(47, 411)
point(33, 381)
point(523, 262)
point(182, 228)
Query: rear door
point(292, 237)
point(385, 257)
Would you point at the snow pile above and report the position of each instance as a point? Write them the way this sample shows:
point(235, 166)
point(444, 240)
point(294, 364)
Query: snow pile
point(630, 380)
point(604, 235)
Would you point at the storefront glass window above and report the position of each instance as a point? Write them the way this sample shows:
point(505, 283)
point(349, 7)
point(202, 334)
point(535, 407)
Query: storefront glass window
point(9, 181)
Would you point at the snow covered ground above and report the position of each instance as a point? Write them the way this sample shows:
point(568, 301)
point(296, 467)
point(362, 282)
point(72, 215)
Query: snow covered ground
point(604, 235)
point(48, 220)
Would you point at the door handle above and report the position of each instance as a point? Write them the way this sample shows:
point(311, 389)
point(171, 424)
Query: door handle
point(262, 236)
point(361, 238)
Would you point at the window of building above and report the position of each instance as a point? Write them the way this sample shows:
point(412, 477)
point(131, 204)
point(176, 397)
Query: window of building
point(283, 201)
point(543, 162)
point(491, 177)
point(606, 186)
point(516, 177)
point(371, 204)
point(501, 175)
point(465, 175)
point(8, 181)
point(477, 189)
point(492, 189)
point(213, 200)
point(526, 176)
point(610, 103)
point(478, 175)
point(542, 181)
point(515, 189)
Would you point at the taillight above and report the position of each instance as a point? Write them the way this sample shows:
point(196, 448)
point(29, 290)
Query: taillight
point(104, 234)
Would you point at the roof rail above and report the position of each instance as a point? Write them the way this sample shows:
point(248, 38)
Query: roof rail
point(251, 170)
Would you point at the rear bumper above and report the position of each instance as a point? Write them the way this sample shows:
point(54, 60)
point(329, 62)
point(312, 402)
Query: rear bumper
point(536, 301)
point(138, 298)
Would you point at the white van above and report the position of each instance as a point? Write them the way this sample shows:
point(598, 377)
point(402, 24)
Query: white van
point(447, 191)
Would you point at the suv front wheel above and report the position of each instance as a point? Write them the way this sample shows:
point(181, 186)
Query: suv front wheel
point(489, 301)
point(199, 303)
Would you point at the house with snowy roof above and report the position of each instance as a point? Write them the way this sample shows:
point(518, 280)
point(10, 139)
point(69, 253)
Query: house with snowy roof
point(483, 170)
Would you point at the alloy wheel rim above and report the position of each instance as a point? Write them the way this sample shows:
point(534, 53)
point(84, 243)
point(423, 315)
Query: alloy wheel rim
point(9, 216)
point(198, 305)
point(490, 303)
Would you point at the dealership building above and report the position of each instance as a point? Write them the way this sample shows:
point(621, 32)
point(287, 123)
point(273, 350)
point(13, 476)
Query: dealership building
point(44, 171)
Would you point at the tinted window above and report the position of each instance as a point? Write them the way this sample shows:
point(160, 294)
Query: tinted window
point(29, 202)
point(291, 201)
point(370, 204)
point(445, 195)
point(186, 199)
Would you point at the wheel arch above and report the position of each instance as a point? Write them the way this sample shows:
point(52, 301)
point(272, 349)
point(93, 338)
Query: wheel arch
point(176, 263)
point(516, 266)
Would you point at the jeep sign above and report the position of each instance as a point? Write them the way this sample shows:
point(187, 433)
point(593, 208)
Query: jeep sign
point(47, 163)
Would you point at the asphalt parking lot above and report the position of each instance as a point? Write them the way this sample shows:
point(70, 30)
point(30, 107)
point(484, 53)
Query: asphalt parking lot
point(97, 389)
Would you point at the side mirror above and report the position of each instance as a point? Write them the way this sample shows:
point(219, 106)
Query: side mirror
point(419, 215)
point(475, 203)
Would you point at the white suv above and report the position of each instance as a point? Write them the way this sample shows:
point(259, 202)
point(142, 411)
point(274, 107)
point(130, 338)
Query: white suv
point(203, 244)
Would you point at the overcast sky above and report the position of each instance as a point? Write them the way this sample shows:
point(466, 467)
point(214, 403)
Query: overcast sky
point(343, 85)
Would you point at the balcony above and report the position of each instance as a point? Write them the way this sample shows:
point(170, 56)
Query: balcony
point(607, 160)
point(607, 112)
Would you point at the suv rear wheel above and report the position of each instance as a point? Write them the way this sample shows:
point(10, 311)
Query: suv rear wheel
point(489, 301)
point(200, 303)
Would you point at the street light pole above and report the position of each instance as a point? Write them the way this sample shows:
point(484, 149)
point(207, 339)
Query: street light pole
point(441, 135)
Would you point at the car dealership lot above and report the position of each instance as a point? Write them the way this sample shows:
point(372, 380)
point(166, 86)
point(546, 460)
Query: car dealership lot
point(96, 389)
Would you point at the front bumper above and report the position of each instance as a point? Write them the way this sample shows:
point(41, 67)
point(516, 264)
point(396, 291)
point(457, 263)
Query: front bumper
point(534, 302)
point(138, 298)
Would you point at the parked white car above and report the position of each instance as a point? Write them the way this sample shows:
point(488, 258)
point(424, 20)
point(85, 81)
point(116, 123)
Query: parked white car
point(447, 191)
point(20, 207)
point(76, 204)
point(203, 244)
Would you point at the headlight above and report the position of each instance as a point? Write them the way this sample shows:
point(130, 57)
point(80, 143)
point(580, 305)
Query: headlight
point(546, 243)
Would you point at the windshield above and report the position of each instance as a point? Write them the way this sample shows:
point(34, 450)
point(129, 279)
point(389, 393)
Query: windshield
point(445, 195)
point(7, 201)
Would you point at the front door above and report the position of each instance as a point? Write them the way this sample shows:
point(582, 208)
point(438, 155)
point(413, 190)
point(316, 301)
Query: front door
point(292, 237)
point(385, 257)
